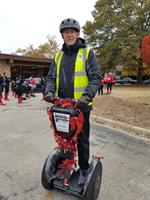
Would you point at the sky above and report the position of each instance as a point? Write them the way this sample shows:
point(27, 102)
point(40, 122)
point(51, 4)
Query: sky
point(25, 22)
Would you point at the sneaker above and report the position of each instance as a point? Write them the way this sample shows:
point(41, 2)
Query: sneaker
point(82, 177)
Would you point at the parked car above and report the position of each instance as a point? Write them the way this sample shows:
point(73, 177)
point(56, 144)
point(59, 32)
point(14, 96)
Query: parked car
point(147, 81)
point(126, 80)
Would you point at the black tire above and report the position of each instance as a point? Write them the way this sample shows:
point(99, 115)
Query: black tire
point(45, 183)
point(54, 160)
point(93, 188)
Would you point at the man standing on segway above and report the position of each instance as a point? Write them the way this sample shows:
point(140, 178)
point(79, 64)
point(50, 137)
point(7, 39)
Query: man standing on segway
point(74, 74)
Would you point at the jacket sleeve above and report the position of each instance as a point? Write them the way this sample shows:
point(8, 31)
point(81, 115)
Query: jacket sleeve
point(93, 72)
point(51, 79)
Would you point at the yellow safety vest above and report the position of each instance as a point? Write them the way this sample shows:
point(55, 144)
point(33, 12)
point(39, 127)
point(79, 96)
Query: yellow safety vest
point(80, 79)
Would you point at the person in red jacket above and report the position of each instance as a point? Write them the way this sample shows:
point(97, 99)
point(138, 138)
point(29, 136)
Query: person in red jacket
point(32, 84)
point(109, 81)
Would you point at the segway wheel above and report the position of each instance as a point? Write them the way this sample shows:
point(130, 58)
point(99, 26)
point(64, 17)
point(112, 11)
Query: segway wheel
point(93, 188)
point(49, 169)
point(45, 183)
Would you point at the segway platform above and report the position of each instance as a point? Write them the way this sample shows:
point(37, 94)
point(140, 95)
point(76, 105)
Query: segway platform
point(89, 191)
point(73, 188)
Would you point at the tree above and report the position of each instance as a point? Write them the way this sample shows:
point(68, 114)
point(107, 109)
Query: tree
point(46, 50)
point(145, 50)
point(116, 32)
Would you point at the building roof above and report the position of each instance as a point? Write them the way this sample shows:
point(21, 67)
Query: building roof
point(24, 60)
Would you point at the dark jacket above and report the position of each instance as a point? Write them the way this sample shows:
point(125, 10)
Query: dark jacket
point(1, 85)
point(66, 89)
point(1, 80)
point(6, 82)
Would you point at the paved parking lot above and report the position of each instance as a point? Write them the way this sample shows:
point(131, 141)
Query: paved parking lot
point(26, 140)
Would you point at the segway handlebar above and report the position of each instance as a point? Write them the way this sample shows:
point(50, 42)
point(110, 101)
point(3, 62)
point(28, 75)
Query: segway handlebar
point(60, 100)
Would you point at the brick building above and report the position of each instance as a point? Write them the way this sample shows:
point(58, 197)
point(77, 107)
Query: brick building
point(26, 66)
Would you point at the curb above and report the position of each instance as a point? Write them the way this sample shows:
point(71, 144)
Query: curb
point(122, 127)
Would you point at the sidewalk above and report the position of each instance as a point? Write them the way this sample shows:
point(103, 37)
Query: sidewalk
point(122, 127)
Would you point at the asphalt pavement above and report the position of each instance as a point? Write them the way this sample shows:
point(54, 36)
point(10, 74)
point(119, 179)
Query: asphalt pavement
point(26, 140)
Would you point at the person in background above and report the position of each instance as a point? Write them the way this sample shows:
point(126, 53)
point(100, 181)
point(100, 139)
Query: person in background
point(6, 85)
point(12, 87)
point(74, 74)
point(1, 90)
point(20, 90)
point(43, 84)
point(100, 90)
point(109, 82)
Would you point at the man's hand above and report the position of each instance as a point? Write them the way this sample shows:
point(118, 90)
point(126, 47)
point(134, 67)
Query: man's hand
point(49, 97)
point(83, 102)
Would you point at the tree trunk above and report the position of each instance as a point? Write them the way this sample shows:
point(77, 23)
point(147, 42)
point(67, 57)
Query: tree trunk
point(140, 72)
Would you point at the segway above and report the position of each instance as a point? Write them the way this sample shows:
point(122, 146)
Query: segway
point(60, 169)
